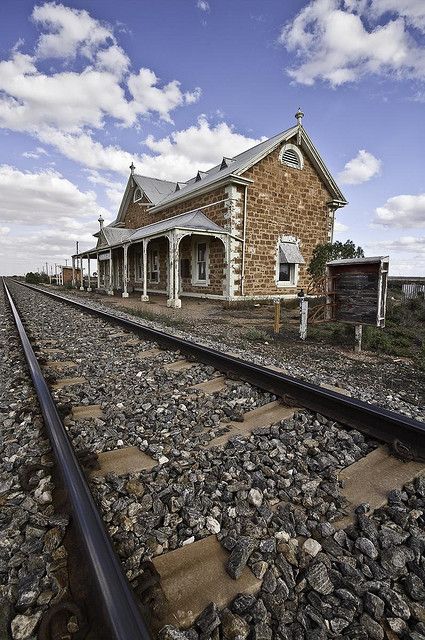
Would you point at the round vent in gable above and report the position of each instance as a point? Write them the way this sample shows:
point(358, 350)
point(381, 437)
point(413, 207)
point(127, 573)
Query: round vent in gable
point(138, 194)
point(291, 156)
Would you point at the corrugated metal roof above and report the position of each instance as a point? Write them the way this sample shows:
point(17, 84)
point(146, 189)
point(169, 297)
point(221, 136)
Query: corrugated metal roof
point(371, 260)
point(116, 236)
point(239, 164)
point(154, 188)
point(193, 220)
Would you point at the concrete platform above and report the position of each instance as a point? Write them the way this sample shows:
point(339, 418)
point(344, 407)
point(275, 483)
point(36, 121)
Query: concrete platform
point(195, 575)
point(67, 382)
point(122, 461)
point(85, 412)
point(264, 416)
point(373, 477)
point(211, 386)
point(178, 365)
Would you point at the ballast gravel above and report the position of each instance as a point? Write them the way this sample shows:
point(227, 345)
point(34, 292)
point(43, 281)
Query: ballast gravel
point(272, 499)
point(33, 560)
point(387, 382)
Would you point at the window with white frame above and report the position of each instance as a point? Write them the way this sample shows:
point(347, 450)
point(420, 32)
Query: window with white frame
point(153, 264)
point(288, 258)
point(138, 194)
point(200, 263)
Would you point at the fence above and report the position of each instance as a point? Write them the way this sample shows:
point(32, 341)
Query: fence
point(411, 291)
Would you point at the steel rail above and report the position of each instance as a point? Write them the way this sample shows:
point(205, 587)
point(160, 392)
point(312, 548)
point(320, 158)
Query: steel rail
point(118, 608)
point(406, 434)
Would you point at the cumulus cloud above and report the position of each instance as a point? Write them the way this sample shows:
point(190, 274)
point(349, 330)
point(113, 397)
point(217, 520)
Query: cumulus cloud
point(45, 197)
point(203, 5)
point(402, 211)
point(71, 101)
point(174, 157)
point(412, 10)
point(69, 31)
point(340, 227)
point(339, 41)
point(360, 169)
point(409, 244)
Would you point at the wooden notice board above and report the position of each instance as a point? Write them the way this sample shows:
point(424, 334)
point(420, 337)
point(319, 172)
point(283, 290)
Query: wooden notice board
point(357, 290)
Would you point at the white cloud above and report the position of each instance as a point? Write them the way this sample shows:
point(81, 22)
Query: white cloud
point(39, 151)
point(44, 197)
point(337, 41)
point(412, 10)
point(409, 244)
point(70, 31)
point(174, 157)
point(70, 101)
point(203, 5)
point(402, 211)
point(340, 227)
point(360, 169)
point(148, 97)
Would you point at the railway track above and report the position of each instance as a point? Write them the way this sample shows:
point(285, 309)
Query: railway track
point(175, 470)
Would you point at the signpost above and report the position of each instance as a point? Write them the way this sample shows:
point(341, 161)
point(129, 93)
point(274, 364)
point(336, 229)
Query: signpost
point(356, 292)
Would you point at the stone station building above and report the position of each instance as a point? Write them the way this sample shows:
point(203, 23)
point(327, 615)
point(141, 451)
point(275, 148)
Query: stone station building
point(243, 230)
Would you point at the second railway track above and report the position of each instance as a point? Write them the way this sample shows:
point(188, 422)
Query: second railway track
point(193, 448)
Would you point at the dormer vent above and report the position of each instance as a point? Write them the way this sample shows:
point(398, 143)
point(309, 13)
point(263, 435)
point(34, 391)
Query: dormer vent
point(226, 162)
point(180, 185)
point(200, 175)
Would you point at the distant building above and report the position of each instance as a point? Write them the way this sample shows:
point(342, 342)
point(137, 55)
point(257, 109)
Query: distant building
point(244, 229)
point(66, 275)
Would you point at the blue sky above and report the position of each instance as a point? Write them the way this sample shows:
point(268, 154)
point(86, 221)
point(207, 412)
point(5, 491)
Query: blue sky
point(85, 87)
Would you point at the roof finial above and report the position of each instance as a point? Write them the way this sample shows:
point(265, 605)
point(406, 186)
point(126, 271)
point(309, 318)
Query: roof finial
point(299, 116)
point(132, 168)
point(100, 221)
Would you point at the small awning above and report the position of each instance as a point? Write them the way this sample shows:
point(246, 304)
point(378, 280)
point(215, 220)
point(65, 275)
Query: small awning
point(290, 253)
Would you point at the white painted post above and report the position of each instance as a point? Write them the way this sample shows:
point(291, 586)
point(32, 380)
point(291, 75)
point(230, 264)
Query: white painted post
point(98, 270)
point(303, 318)
point(144, 297)
point(111, 275)
point(170, 301)
point(89, 274)
point(358, 330)
point(81, 274)
point(176, 249)
point(125, 272)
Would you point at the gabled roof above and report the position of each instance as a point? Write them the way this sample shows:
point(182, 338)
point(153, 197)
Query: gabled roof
point(243, 161)
point(163, 193)
point(156, 190)
point(193, 220)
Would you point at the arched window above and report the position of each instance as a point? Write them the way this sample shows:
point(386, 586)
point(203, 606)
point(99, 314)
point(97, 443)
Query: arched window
point(138, 194)
point(291, 156)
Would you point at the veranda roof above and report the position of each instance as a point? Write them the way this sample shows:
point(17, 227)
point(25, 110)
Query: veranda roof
point(191, 221)
point(194, 220)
